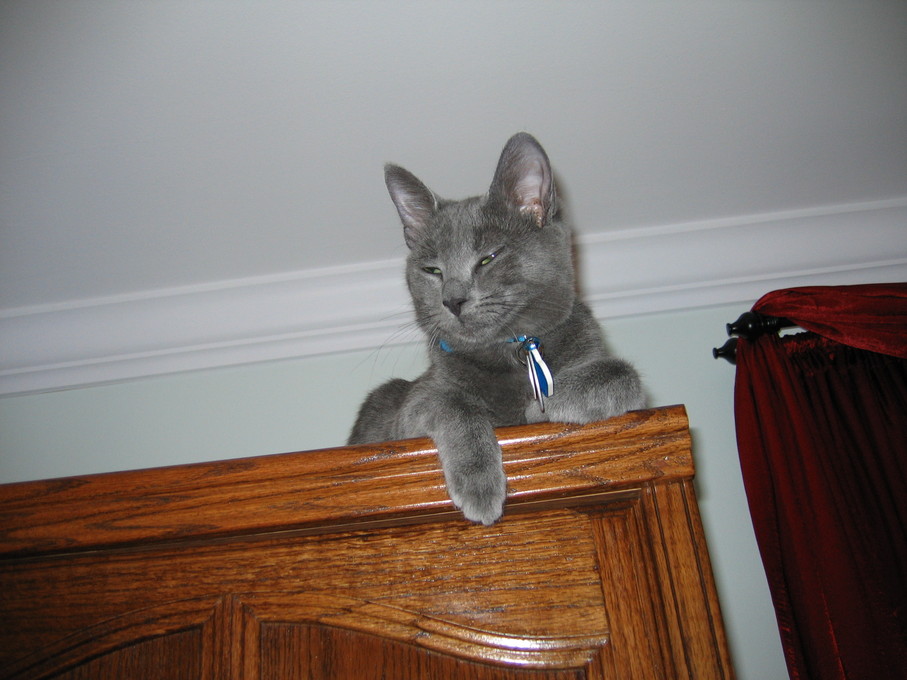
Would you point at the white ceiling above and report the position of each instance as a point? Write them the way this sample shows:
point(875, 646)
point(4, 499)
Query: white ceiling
point(149, 145)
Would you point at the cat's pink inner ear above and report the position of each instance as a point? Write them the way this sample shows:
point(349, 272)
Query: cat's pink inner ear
point(537, 210)
point(413, 211)
point(531, 192)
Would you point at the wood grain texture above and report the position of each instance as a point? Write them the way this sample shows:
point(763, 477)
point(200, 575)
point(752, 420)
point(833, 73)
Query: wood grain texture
point(451, 586)
point(172, 657)
point(304, 566)
point(340, 653)
point(319, 490)
point(685, 574)
point(45, 637)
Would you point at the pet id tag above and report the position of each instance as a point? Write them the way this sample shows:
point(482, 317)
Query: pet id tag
point(539, 374)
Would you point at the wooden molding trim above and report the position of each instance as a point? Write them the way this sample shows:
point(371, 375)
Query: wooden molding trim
point(316, 491)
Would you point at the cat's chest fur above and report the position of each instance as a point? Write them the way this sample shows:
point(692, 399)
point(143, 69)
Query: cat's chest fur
point(501, 385)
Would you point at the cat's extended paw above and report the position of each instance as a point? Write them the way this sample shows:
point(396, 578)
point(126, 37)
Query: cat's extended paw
point(479, 492)
point(595, 391)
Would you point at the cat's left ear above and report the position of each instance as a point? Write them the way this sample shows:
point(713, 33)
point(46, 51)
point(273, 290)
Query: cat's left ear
point(416, 203)
point(523, 178)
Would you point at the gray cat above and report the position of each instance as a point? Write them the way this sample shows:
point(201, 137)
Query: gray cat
point(492, 281)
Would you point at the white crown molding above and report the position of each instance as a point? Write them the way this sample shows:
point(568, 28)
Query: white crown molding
point(737, 260)
point(623, 273)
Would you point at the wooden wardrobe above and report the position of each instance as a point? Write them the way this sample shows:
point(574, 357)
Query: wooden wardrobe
point(352, 564)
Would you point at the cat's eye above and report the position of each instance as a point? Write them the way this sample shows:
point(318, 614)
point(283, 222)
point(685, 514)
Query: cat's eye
point(434, 271)
point(487, 259)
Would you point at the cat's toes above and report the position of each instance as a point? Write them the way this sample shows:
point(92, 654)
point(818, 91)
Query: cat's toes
point(487, 510)
point(480, 497)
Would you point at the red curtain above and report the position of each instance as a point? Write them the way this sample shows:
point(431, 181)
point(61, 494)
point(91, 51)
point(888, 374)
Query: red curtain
point(822, 437)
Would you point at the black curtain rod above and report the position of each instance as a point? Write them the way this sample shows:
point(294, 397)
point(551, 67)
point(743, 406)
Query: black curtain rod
point(749, 325)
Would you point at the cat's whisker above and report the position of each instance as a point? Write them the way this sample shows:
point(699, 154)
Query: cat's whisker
point(397, 336)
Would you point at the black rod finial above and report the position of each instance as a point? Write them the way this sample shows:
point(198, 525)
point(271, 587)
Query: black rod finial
point(727, 351)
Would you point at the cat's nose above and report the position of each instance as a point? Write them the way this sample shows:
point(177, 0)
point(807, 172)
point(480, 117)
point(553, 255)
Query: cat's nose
point(455, 305)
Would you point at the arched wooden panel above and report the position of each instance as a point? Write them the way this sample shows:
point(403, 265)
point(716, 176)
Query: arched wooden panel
point(316, 652)
point(177, 656)
point(410, 634)
point(169, 641)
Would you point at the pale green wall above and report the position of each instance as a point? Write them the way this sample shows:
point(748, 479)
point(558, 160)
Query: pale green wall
point(310, 403)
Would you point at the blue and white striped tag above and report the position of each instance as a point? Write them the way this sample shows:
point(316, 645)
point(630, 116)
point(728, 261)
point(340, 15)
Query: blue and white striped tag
point(539, 373)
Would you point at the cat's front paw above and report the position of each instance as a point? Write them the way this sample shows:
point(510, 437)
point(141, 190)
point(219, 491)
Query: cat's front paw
point(480, 497)
point(595, 391)
point(478, 490)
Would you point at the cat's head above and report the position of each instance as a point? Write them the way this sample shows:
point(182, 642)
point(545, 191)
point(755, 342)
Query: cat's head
point(489, 268)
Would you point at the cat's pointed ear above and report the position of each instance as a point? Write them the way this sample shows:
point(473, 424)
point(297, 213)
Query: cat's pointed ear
point(523, 179)
point(415, 202)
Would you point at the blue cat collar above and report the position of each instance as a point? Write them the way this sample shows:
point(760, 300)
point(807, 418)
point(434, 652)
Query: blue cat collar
point(530, 355)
